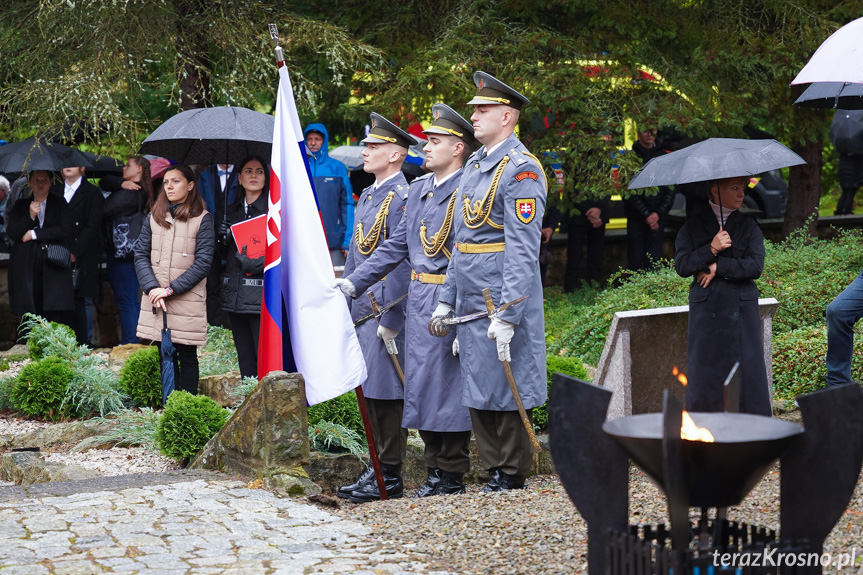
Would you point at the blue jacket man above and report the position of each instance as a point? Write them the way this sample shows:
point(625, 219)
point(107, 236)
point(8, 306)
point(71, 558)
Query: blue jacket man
point(333, 191)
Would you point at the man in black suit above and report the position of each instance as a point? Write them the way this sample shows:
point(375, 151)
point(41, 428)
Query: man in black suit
point(85, 204)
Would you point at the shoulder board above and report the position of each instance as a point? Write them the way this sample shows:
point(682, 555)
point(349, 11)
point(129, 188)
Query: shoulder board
point(421, 178)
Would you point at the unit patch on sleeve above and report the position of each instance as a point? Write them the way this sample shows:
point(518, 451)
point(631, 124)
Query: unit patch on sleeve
point(525, 210)
point(528, 174)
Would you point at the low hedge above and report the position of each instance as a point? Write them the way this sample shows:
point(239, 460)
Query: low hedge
point(40, 388)
point(571, 366)
point(141, 377)
point(187, 424)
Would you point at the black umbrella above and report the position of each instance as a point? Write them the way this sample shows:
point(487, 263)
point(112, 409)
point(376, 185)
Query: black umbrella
point(30, 154)
point(102, 166)
point(846, 131)
point(839, 95)
point(222, 135)
point(166, 354)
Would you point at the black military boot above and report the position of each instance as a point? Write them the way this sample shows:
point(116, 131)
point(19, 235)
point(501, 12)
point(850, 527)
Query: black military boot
point(345, 490)
point(392, 483)
point(431, 483)
point(508, 481)
point(495, 476)
point(450, 484)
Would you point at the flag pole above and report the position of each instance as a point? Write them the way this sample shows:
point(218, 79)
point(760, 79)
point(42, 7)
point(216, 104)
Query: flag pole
point(361, 400)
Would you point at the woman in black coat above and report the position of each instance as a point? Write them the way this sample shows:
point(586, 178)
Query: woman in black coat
point(35, 284)
point(724, 324)
point(243, 282)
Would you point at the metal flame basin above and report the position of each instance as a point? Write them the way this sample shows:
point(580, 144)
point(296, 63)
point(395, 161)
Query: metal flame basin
point(718, 474)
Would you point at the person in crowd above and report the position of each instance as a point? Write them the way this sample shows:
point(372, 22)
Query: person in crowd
point(551, 219)
point(503, 190)
point(722, 250)
point(130, 196)
point(333, 191)
point(4, 198)
point(585, 228)
point(218, 186)
point(377, 216)
point(16, 191)
point(38, 220)
point(86, 205)
point(172, 258)
point(243, 283)
point(433, 386)
point(645, 214)
point(846, 134)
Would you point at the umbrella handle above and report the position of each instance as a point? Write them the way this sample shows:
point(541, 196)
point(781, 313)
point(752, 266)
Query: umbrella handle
point(164, 318)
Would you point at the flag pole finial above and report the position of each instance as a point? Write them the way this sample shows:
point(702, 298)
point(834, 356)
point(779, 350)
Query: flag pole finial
point(274, 36)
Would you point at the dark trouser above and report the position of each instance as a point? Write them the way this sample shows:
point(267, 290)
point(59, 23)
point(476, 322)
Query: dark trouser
point(186, 368)
point(577, 238)
point(842, 313)
point(845, 204)
point(391, 439)
point(643, 245)
point(246, 328)
point(336, 256)
point(502, 441)
point(447, 450)
point(82, 323)
point(214, 292)
point(124, 284)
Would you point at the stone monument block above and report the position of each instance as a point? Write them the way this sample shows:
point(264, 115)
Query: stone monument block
point(220, 388)
point(642, 348)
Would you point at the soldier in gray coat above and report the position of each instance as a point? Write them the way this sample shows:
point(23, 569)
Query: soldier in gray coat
point(502, 192)
point(377, 216)
point(433, 382)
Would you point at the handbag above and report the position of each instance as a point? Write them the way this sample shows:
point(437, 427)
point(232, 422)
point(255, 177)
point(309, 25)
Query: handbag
point(125, 231)
point(76, 276)
point(58, 255)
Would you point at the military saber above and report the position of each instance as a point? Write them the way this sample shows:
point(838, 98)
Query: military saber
point(382, 310)
point(510, 378)
point(484, 313)
point(378, 312)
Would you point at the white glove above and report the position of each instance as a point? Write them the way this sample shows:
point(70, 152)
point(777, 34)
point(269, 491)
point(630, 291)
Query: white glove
point(347, 287)
point(455, 346)
point(436, 326)
point(501, 332)
point(389, 337)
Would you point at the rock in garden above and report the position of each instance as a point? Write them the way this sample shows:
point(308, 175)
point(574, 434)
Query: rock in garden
point(219, 388)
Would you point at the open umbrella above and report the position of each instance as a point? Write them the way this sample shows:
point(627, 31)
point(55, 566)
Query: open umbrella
point(839, 95)
point(222, 135)
point(31, 154)
point(350, 156)
point(166, 354)
point(101, 166)
point(715, 159)
point(838, 59)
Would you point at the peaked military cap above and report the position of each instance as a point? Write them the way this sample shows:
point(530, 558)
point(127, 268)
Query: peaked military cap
point(490, 90)
point(385, 131)
point(448, 122)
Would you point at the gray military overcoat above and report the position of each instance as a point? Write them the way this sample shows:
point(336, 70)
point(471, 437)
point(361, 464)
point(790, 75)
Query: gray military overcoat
point(433, 384)
point(383, 381)
point(514, 216)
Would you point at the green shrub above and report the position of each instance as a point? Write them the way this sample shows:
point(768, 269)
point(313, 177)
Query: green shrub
point(5, 391)
point(342, 410)
point(798, 361)
point(41, 386)
point(220, 354)
point(247, 386)
point(42, 334)
point(141, 378)
point(330, 437)
point(4, 364)
point(571, 366)
point(187, 424)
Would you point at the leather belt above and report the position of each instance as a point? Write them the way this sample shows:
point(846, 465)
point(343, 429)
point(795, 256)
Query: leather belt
point(428, 278)
point(480, 248)
point(251, 282)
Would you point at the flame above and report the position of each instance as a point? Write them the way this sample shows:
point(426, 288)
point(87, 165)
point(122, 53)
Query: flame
point(681, 377)
point(691, 432)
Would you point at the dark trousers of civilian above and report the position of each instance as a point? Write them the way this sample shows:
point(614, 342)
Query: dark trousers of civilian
point(214, 292)
point(447, 450)
point(185, 368)
point(643, 245)
point(246, 328)
point(577, 238)
point(391, 439)
point(127, 299)
point(502, 440)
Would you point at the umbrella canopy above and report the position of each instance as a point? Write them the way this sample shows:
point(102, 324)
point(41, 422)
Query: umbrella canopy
point(838, 59)
point(101, 166)
point(223, 135)
point(846, 131)
point(350, 156)
point(715, 159)
point(30, 154)
point(166, 354)
point(839, 95)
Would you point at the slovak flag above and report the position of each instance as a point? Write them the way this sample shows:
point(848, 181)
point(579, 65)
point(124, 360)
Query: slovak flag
point(299, 290)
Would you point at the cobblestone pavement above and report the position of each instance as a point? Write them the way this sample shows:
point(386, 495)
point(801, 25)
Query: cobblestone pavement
point(181, 523)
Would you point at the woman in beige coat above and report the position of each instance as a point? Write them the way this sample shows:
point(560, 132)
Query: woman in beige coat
point(172, 259)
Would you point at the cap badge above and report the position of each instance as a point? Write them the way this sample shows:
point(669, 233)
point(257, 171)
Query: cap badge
point(437, 114)
point(481, 84)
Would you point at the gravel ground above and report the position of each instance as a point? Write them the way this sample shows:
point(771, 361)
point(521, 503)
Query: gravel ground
point(116, 461)
point(10, 425)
